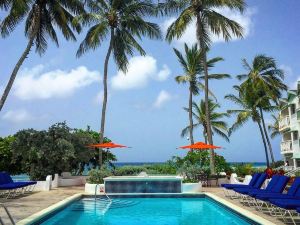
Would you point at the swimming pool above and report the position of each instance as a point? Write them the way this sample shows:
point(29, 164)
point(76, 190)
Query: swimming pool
point(146, 211)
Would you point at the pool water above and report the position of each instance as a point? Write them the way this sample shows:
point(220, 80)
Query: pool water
point(147, 211)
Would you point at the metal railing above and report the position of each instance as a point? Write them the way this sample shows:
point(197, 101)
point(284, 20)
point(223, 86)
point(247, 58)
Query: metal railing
point(284, 122)
point(8, 214)
point(292, 172)
point(286, 146)
point(103, 193)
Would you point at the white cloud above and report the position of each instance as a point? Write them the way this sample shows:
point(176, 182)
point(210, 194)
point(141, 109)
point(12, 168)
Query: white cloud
point(161, 99)
point(34, 83)
point(189, 37)
point(17, 116)
point(140, 71)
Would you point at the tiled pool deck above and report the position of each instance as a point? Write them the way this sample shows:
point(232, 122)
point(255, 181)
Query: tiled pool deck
point(25, 206)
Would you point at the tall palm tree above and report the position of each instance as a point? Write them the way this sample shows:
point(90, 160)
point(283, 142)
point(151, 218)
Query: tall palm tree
point(219, 127)
point(121, 22)
point(193, 74)
point(248, 110)
point(208, 21)
point(274, 127)
point(267, 85)
point(41, 19)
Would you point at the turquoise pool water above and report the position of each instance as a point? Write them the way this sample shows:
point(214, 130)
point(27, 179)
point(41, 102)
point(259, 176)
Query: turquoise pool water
point(147, 211)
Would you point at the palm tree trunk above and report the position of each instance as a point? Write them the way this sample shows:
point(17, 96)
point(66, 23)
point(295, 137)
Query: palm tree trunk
point(265, 145)
point(104, 103)
point(207, 113)
point(191, 115)
point(36, 24)
point(266, 134)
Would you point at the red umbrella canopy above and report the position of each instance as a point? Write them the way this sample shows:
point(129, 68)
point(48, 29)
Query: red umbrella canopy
point(107, 145)
point(200, 146)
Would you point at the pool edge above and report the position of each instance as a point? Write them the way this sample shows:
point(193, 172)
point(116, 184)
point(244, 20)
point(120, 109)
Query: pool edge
point(52, 208)
point(244, 212)
point(237, 209)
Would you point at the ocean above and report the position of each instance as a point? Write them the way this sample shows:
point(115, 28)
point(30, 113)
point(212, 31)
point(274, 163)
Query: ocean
point(25, 177)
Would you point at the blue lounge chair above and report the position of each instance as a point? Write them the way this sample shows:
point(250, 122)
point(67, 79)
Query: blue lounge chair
point(10, 187)
point(227, 188)
point(285, 207)
point(276, 185)
point(252, 182)
point(256, 186)
point(293, 192)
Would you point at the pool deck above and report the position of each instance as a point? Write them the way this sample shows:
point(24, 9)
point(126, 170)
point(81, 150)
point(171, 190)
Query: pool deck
point(24, 206)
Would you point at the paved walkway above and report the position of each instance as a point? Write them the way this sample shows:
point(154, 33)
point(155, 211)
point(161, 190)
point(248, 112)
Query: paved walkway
point(25, 206)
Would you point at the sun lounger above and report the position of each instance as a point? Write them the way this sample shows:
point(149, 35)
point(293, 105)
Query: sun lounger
point(284, 208)
point(9, 187)
point(229, 187)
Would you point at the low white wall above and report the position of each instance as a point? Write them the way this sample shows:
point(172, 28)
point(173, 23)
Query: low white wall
point(90, 188)
point(191, 187)
point(44, 185)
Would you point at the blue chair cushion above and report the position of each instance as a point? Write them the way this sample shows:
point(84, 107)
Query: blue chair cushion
point(231, 186)
point(260, 180)
point(11, 186)
point(286, 203)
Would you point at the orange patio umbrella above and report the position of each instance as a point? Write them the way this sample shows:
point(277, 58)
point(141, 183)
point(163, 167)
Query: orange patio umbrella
point(107, 145)
point(200, 146)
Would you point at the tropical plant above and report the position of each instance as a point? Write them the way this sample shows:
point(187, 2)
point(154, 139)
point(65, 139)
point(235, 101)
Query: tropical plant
point(274, 127)
point(6, 156)
point(96, 176)
point(193, 74)
point(58, 149)
point(219, 127)
point(208, 21)
point(266, 81)
point(40, 19)
point(121, 22)
point(248, 110)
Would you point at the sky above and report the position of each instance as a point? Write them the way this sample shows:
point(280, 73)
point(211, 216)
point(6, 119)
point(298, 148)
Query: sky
point(145, 105)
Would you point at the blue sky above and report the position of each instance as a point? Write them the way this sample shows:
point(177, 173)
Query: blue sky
point(145, 106)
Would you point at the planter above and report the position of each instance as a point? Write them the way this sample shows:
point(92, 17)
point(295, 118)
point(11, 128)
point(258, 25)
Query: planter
point(90, 188)
point(191, 187)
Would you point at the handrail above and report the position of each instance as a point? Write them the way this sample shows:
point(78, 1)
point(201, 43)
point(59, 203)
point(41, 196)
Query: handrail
point(8, 214)
point(103, 193)
point(292, 172)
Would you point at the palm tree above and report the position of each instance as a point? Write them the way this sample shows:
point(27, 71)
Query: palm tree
point(274, 127)
point(208, 21)
point(41, 18)
point(193, 74)
point(248, 110)
point(219, 127)
point(267, 85)
point(121, 22)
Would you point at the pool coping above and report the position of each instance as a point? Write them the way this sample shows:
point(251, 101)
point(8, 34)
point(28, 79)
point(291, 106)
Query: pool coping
point(237, 209)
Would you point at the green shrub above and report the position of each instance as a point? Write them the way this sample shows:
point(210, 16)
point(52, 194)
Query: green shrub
point(277, 164)
point(96, 175)
point(129, 170)
point(243, 169)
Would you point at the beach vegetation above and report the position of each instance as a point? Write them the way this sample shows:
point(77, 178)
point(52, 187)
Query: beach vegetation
point(41, 21)
point(208, 22)
point(193, 74)
point(96, 175)
point(46, 152)
point(122, 23)
point(6, 156)
point(219, 126)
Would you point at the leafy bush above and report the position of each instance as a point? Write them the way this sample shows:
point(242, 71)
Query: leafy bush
point(96, 175)
point(277, 164)
point(6, 156)
point(129, 170)
point(167, 168)
point(58, 149)
point(243, 169)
